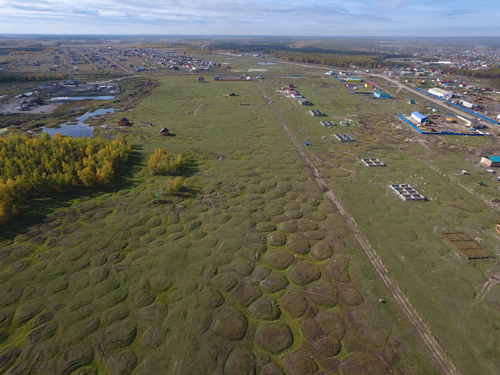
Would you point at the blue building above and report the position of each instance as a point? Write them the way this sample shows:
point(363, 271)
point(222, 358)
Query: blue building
point(418, 117)
point(381, 94)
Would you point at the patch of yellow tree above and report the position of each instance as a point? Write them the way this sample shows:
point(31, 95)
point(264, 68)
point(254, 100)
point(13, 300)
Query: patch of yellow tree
point(162, 163)
point(35, 165)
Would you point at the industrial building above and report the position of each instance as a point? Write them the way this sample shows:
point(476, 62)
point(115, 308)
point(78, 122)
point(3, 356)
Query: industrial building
point(418, 117)
point(443, 94)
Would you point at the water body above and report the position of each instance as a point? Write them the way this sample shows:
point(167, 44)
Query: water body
point(267, 63)
point(66, 98)
point(79, 129)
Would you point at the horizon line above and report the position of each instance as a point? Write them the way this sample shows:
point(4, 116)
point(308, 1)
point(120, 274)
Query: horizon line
point(250, 35)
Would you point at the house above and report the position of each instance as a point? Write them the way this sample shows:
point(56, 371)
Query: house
point(368, 84)
point(201, 80)
point(123, 122)
point(381, 94)
point(296, 95)
point(164, 131)
point(304, 101)
point(490, 161)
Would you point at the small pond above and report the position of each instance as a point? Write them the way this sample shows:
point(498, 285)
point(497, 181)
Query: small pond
point(79, 129)
point(67, 98)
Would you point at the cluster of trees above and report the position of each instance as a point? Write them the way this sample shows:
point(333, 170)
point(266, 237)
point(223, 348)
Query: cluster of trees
point(162, 163)
point(30, 77)
point(31, 166)
point(343, 61)
point(492, 74)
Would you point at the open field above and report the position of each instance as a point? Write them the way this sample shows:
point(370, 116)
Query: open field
point(442, 285)
point(252, 270)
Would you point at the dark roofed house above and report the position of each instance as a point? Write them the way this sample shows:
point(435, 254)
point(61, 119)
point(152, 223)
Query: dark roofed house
point(164, 131)
point(123, 122)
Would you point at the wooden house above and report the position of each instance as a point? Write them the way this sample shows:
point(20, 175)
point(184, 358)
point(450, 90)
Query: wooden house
point(123, 122)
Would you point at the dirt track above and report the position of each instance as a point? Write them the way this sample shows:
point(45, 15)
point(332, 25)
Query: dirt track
point(436, 352)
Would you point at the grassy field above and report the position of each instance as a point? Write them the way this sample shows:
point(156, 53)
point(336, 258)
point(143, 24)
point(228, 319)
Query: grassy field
point(250, 269)
point(445, 287)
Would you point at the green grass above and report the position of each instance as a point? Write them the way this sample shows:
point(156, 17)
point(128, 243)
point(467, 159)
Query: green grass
point(123, 273)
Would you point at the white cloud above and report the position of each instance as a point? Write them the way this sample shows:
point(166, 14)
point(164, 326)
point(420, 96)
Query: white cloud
point(315, 17)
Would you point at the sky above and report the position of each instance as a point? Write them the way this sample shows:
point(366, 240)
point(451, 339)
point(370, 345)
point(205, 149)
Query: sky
point(252, 17)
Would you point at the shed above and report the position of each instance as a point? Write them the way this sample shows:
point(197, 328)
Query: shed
point(304, 101)
point(123, 122)
point(368, 84)
point(164, 131)
point(490, 161)
point(381, 94)
point(201, 80)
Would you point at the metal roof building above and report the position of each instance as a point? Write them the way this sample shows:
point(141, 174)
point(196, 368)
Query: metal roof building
point(441, 93)
point(418, 117)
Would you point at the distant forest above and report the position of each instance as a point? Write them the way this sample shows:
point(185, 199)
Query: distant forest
point(490, 74)
point(344, 56)
point(345, 53)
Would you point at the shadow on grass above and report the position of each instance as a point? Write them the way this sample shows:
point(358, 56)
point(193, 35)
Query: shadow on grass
point(36, 210)
point(190, 167)
point(187, 192)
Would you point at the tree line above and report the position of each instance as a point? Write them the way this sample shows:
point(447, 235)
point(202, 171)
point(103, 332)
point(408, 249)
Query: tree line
point(492, 74)
point(337, 60)
point(33, 166)
point(30, 77)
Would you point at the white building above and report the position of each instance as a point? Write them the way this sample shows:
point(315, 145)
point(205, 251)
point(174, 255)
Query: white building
point(441, 93)
point(467, 104)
